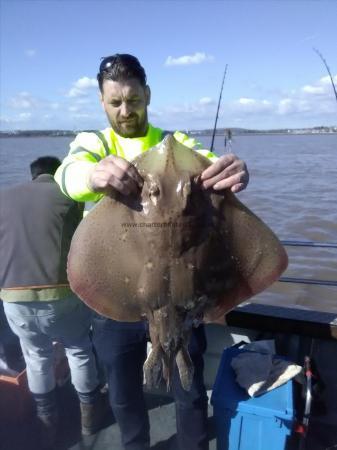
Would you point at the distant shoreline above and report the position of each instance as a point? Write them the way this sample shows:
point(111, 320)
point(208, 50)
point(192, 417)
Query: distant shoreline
point(207, 132)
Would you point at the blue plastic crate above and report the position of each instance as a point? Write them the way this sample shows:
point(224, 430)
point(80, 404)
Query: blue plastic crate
point(245, 423)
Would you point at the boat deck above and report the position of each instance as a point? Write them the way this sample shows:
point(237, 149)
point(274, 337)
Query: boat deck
point(323, 420)
point(162, 418)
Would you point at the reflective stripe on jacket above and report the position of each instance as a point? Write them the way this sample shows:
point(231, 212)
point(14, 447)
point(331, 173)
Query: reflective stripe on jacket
point(89, 148)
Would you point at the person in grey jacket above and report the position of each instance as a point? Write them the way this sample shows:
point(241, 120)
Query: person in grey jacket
point(37, 222)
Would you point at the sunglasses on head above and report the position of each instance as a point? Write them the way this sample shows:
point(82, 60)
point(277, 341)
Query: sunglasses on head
point(106, 63)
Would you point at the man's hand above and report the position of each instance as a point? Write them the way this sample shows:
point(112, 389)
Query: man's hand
point(117, 173)
point(228, 172)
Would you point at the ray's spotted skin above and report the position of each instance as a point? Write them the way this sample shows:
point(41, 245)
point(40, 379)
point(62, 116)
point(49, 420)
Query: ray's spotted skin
point(174, 254)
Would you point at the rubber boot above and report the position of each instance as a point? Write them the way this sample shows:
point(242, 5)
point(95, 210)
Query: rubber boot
point(46, 418)
point(93, 414)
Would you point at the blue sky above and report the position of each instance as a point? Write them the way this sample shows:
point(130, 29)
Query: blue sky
point(50, 52)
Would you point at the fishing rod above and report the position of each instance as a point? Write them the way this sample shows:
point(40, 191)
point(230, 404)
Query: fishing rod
point(217, 112)
point(328, 69)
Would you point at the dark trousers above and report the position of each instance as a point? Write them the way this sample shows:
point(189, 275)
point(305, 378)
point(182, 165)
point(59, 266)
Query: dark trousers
point(121, 347)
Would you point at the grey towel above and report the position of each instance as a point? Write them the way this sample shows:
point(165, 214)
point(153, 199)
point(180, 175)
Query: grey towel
point(259, 370)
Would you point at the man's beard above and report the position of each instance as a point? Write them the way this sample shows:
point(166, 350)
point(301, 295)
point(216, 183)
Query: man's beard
point(137, 127)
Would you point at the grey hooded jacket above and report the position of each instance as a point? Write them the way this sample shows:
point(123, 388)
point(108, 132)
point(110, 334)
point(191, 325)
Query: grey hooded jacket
point(37, 222)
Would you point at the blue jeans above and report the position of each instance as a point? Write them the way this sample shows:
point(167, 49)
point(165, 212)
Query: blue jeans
point(121, 347)
point(38, 324)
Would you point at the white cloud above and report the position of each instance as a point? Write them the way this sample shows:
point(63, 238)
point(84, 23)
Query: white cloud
point(187, 60)
point(308, 105)
point(4, 120)
point(73, 108)
point(285, 106)
point(311, 99)
point(25, 116)
point(27, 102)
point(246, 101)
point(30, 53)
point(313, 89)
point(320, 87)
point(85, 82)
point(81, 116)
point(308, 101)
point(23, 100)
point(17, 119)
point(327, 80)
point(197, 111)
point(84, 100)
point(82, 87)
point(11, 123)
point(154, 112)
point(206, 101)
point(185, 108)
point(185, 115)
point(26, 111)
point(251, 105)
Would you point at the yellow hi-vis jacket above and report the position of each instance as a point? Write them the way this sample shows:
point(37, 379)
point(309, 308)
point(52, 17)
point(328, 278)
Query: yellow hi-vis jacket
point(89, 148)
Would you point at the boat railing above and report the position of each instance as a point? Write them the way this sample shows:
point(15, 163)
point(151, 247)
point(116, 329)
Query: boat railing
point(309, 244)
point(289, 319)
point(294, 243)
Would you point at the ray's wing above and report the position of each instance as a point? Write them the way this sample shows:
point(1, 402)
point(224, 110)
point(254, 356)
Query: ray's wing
point(257, 255)
point(103, 261)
